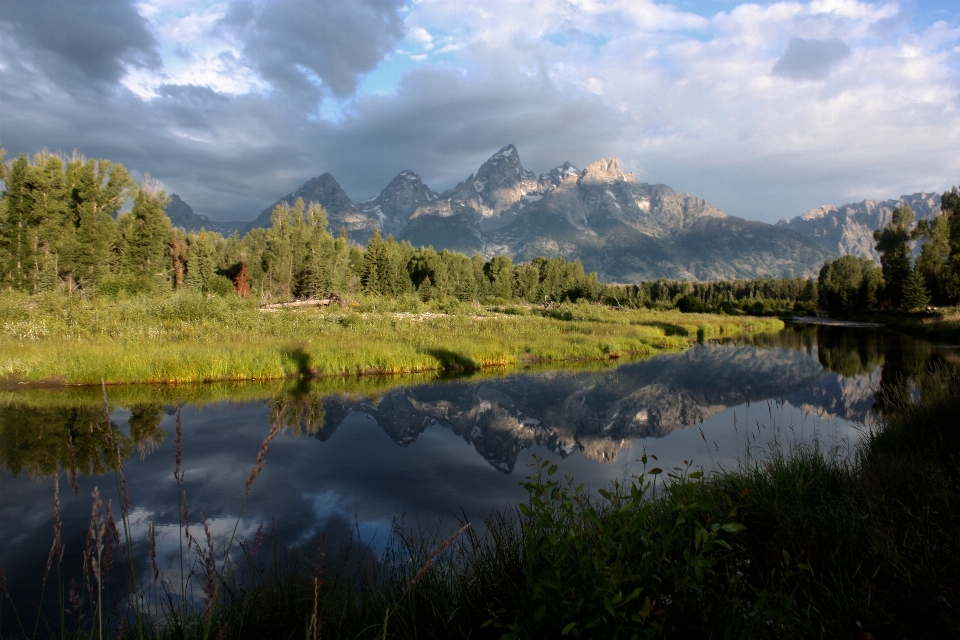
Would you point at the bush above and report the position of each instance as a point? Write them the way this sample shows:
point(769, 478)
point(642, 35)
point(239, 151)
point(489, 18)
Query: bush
point(115, 286)
point(220, 286)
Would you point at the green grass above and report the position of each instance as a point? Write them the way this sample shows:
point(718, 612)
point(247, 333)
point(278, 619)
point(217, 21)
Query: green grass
point(189, 338)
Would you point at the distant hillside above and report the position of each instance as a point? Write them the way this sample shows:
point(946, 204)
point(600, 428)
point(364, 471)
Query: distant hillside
point(182, 215)
point(625, 230)
point(848, 229)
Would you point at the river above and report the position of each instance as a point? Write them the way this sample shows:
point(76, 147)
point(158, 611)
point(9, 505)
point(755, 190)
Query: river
point(356, 457)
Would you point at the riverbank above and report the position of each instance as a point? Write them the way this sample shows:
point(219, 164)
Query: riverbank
point(63, 340)
point(942, 325)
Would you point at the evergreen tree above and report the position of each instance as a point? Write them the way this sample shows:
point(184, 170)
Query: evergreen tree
point(499, 273)
point(201, 266)
point(16, 232)
point(915, 294)
point(950, 206)
point(373, 276)
point(934, 257)
point(98, 190)
point(150, 233)
point(893, 246)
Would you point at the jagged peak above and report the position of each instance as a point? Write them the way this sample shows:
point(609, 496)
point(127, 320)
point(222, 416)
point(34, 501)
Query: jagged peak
point(605, 170)
point(817, 212)
point(507, 158)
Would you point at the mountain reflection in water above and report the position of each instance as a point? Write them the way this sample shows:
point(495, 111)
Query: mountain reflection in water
point(338, 468)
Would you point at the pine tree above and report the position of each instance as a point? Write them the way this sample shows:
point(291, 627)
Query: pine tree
point(150, 232)
point(200, 262)
point(16, 230)
point(934, 256)
point(915, 294)
point(98, 190)
point(892, 244)
point(499, 272)
point(373, 276)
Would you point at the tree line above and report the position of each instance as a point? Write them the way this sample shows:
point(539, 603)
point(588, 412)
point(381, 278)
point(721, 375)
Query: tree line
point(65, 224)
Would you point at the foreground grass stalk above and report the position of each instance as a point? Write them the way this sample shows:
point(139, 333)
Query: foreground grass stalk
point(254, 472)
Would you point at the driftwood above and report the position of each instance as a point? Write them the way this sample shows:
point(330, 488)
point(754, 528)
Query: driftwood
point(324, 301)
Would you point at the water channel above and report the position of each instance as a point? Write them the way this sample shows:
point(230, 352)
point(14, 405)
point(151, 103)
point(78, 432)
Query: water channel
point(356, 456)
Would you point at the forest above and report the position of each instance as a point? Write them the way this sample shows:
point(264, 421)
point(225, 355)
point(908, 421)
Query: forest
point(84, 226)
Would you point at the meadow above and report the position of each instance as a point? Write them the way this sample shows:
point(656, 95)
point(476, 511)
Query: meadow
point(56, 339)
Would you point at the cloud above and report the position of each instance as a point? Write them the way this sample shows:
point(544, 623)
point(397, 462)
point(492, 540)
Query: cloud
point(241, 110)
point(810, 59)
point(334, 41)
point(100, 39)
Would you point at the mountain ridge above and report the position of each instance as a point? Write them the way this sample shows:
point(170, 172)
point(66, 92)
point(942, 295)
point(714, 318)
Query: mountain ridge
point(625, 230)
point(848, 229)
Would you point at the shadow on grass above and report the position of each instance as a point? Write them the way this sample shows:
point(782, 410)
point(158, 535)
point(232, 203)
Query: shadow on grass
point(452, 360)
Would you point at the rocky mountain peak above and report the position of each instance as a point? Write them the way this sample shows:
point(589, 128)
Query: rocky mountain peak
point(502, 171)
point(558, 175)
point(398, 200)
point(605, 170)
point(326, 191)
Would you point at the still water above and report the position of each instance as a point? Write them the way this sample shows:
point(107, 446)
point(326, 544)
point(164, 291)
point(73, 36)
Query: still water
point(356, 456)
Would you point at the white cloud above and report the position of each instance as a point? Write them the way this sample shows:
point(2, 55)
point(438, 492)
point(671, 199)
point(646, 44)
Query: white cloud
point(870, 108)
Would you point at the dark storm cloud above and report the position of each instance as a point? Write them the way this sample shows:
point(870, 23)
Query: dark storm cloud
point(95, 38)
point(444, 125)
point(810, 59)
point(334, 40)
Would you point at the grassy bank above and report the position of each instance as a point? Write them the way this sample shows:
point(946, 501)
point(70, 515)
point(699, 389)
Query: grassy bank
point(190, 338)
point(937, 326)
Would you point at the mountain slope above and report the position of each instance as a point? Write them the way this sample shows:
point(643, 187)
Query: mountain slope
point(848, 229)
point(182, 215)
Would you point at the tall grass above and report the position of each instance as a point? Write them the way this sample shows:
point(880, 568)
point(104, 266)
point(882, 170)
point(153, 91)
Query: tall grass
point(189, 338)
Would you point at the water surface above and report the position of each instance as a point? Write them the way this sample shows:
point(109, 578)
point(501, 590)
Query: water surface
point(357, 456)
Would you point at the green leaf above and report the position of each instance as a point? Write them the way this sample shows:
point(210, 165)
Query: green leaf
point(655, 471)
point(552, 470)
point(540, 613)
point(733, 527)
point(570, 627)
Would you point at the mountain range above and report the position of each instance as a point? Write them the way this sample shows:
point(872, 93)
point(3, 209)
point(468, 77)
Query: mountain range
point(627, 231)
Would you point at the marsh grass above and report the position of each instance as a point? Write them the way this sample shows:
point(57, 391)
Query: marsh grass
point(59, 339)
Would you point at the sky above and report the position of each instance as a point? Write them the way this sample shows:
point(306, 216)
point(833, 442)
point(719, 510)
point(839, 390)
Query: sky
point(764, 109)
